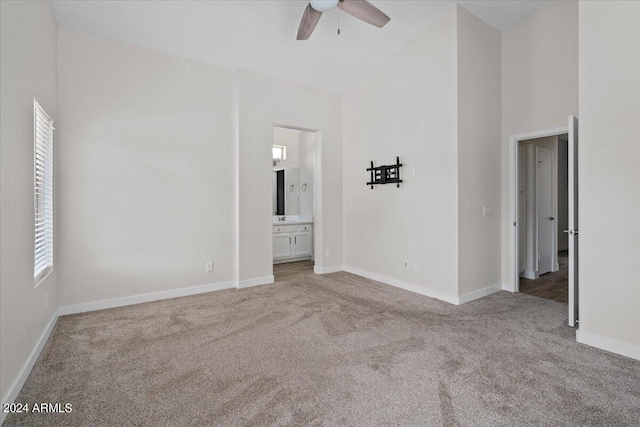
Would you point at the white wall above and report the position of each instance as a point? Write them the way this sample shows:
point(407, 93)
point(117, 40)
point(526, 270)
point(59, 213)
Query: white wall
point(263, 102)
point(539, 84)
point(28, 68)
point(146, 171)
point(406, 108)
point(437, 104)
point(609, 175)
point(307, 167)
point(479, 118)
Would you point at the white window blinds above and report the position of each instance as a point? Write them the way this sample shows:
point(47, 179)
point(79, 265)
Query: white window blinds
point(43, 191)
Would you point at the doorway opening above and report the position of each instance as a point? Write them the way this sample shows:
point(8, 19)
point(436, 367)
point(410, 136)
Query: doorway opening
point(293, 201)
point(543, 258)
point(537, 238)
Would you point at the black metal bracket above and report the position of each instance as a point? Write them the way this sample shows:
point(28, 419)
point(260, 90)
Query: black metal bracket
point(389, 174)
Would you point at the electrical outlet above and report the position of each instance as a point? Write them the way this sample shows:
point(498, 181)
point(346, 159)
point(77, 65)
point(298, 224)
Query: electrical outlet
point(416, 266)
point(209, 266)
point(486, 210)
point(405, 264)
point(327, 253)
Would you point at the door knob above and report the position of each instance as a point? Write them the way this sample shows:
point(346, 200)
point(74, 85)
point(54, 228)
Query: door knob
point(550, 218)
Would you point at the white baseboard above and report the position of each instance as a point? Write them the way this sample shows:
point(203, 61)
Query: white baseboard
point(15, 388)
point(327, 270)
point(139, 299)
point(529, 274)
point(462, 299)
point(507, 287)
point(425, 291)
point(403, 285)
point(266, 280)
point(608, 344)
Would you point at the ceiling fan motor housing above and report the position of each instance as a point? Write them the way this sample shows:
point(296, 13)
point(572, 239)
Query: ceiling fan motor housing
point(324, 5)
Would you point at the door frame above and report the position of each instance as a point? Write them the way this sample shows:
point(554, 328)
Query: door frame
point(514, 277)
point(317, 229)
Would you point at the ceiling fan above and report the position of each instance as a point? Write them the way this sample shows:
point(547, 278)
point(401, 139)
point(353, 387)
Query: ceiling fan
point(361, 9)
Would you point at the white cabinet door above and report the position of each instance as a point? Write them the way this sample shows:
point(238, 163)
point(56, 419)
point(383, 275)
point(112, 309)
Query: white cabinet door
point(302, 244)
point(282, 244)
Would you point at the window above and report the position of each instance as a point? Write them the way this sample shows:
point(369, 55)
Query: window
point(43, 192)
point(279, 152)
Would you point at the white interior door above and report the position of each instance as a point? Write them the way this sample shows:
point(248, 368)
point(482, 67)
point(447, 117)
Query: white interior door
point(573, 220)
point(522, 207)
point(545, 209)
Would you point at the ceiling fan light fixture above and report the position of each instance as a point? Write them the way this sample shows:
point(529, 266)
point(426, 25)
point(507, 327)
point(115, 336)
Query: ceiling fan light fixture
point(324, 5)
point(359, 9)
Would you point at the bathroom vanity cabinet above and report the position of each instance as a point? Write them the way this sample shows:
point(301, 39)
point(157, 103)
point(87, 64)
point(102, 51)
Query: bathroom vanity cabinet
point(292, 243)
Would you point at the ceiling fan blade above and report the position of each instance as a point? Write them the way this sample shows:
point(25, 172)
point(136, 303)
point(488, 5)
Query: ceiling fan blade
point(364, 11)
point(308, 23)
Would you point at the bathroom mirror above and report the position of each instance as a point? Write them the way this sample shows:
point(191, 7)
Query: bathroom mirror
point(286, 191)
point(293, 172)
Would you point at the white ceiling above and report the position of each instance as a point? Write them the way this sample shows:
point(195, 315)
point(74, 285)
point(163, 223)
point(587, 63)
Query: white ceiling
point(261, 35)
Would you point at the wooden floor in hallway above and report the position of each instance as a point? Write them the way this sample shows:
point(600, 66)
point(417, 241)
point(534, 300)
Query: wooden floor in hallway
point(553, 286)
point(290, 270)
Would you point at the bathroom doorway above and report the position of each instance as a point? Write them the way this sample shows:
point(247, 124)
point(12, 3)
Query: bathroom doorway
point(293, 202)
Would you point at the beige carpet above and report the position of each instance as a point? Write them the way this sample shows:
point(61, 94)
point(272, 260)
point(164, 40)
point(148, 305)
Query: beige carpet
point(329, 350)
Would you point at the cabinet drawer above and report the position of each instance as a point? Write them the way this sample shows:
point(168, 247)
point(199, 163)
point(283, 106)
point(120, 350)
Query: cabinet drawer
point(304, 227)
point(291, 228)
point(279, 228)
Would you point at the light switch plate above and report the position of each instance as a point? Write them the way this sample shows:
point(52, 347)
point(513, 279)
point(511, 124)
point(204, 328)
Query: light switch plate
point(486, 210)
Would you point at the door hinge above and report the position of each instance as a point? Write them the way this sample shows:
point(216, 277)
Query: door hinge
point(514, 223)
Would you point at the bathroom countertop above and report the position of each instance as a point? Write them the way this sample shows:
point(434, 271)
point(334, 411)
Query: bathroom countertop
point(293, 221)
